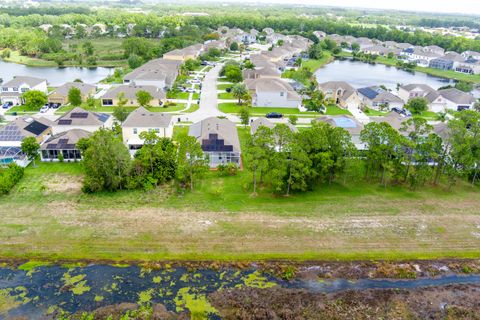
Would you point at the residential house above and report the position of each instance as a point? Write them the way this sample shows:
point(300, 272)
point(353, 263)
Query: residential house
point(262, 121)
point(378, 98)
point(13, 133)
point(247, 37)
point(457, 100)
point(397, 121)
point(364, 42)
point(60, 95)
point(274, 38)
point(273, 92)
point(268, 31)
point(218, 139)
point(111, 97)
point(377, 50)
point(64, 144)
point(435, 101)
point(215, 44)
point(471, 55)
point(348, 123)
point(341, 93)
point(420, 56)
point(262, 72)
point(160, 73)
point(320, 35)
point(141, 120)
point(434, 49)
point(190, 52)
point(441, 63)
point(78, 118)
point(469, 66)
point(12, 90)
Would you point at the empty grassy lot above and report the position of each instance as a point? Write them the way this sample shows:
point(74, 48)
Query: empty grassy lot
point(47, 217)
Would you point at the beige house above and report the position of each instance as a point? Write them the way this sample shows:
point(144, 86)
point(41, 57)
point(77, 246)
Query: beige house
point(64, 144)
point(78, 118)
point(341, 93)
point(142, 120)
point(60, 95)
point(110, 98)
point(160, 73)
point(191, 52)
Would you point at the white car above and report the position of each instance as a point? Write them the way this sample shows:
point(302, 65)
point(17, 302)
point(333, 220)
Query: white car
point(44, 109)
point(191, 90)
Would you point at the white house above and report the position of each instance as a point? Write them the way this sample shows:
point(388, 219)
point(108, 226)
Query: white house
point(273, 92)
point(12, 90)
point(457, 100)
point(141, 120)
point(435, 101)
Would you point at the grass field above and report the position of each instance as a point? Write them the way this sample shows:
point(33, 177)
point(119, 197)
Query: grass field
point(315, 64)
point(335, 110)
point(233, 107)
point(226, 96)
point(47, 217)
point(223, 86)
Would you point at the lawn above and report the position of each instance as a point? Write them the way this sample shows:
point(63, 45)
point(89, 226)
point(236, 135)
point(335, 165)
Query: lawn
point(226, 96)
point(333, 110)
point(20, 110)
point(224, 86)
point(315, 64)
point(109, 109)
point(374, 113)
point(47, 217)
point(193, 107)
point(178, 95)
point(233, 107)
point(29, 61)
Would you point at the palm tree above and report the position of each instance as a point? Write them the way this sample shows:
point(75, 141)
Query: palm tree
point(240, 92)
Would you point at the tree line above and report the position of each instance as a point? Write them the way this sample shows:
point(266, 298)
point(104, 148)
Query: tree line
point(416, 155)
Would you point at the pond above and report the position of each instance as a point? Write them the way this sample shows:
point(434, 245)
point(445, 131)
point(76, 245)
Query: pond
point(35, 292)
point(55, 76)
point(360, 74)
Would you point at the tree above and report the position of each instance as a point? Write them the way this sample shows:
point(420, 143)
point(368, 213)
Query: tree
point(192, 163)
point(245, 116)
point(91, 101)
point(34, 99)
point(417, 105)
point(232, 71)
point(240, 92)
point(355, 47)
point(88, 48)
point(248, 65)
point(30, 148)
point(315, 52)
point(143, 98)
point(259, 148)
point(134, 61)
point(155, 163)
point(316, 98)
point(464, 86)
point(234, 46)
point(75, 96)
point(106, 162)
point(120, 113)
point(121, 100)
point(292, 119)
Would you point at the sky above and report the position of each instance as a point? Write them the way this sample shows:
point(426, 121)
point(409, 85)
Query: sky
point(444, 6)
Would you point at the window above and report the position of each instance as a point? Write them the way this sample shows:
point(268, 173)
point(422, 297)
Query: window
point(5, 89)
point(134, 130)
point(282, 94)
point(107, 102)
point(24, 89)
point(157, 130)
point(15, 89)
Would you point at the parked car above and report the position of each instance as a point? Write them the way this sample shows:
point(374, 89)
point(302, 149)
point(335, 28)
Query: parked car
point(274, 115)
point(44, 108)
point(7, 105)
point(397, 110)
point(406, 112)
point(228, 89)
point(191, 90)
point(55, 105)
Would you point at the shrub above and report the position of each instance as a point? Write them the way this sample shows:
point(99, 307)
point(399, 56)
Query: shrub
point(229, 169)
point(9, 177)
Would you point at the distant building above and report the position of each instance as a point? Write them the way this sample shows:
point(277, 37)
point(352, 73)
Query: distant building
point(60, 94)
point(12, 90)
point(111, 97)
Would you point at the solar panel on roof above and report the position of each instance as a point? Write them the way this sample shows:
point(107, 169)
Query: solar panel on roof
point(79, 115)
point(36, 128)
point(63, 141)
point(64, 121)
point(103, 117)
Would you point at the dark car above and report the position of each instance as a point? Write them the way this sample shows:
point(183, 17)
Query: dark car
point(274, 115)
point(55, 105)
point(228, 89)
point(406, 112)
point(397, 110)
point(7, 105)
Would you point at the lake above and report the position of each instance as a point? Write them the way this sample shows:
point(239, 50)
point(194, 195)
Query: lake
point(55, 76)
point(360, 74)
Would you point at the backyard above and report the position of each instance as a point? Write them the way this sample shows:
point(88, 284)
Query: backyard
point(47, 216)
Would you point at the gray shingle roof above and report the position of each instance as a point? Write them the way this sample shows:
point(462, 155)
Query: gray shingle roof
point(141, 117)
point(80, 117)
point(63, 90)
point(262, 121)
point(19, 80)
point(130, 92)
point(457, 96)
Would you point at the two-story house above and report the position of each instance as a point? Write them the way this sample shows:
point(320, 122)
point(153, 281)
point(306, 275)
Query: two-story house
point(12, 90)
point(273, 92)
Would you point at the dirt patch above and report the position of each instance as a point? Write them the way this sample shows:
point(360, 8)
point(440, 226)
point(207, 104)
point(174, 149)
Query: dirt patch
point(62, 183)
point(449, 302)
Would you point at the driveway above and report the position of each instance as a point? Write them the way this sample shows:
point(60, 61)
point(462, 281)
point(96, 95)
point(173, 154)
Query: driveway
point(208, 99)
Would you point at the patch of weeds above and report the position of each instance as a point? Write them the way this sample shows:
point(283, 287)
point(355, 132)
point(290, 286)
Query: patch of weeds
point(196, 303)
point(10, 298)
point(145, 296)
point(76, 284)
point(256, 280)
point(98, 298)
point(31, 265)
point(289, 272)
point(157, 279)
point(467, 269)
